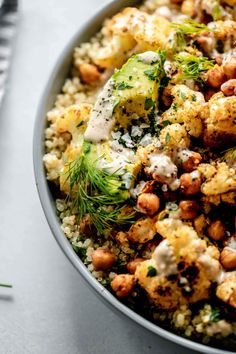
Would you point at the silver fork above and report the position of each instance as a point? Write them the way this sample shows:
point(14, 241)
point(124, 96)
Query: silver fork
point(8, 19)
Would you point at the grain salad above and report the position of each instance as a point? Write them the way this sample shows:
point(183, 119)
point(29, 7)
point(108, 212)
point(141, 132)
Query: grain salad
point(140, 148)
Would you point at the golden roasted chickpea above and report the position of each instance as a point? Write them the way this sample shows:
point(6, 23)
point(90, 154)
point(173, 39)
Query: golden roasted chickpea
point(200, 224)
point(103, 259)
point(122, 285)
point(216, 77)
point(229, 67)
point(229, 87)
point(216, 230)
point(189, 209)
point(132, 265)
point(89, 73)
point(86, 226)
point(148, 203)
point(190, 183)
point(192, 162)
point(228, 258)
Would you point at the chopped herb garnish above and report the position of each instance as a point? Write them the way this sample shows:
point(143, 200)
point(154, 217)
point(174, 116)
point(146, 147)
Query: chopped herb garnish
point(194, 98)
point(154, 129)
point(215, 315)
point(152, 74)
point(152, 272)
point(192, 66)
point(165, 123)
point(187, 28)
point(149, 103)
point(182, 95)
point(130, 77)
point(168, 137)
point(79, 125)
point(123, 86)
point(174, 106)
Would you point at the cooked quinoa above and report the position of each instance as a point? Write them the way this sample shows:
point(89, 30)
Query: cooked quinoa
point(141, 145)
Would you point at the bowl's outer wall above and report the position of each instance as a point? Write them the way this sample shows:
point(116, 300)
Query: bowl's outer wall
point(53, 87)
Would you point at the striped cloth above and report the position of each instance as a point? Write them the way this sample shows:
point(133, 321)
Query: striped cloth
point(8, 18)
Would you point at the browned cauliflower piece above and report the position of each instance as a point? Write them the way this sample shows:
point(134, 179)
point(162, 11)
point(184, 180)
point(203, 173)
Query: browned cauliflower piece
point(219, 116)
point(229, 198)
point(224, 31)
point(73, 119)
point(226, 291)
point(142, 231)
point(186, 109)
point(198, 8)
point(220, 180)
point(174, 135)
point(132, 30)
point(181, 269)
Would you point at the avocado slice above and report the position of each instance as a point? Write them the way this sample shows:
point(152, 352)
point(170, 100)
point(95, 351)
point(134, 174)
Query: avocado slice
point(131, 93)
point(136, 87)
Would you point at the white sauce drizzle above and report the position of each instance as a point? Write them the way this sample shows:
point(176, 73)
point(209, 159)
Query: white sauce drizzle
point(101, 121)
point(149, 57)
point(184, 155)
point(165, 259)
point(162, 166)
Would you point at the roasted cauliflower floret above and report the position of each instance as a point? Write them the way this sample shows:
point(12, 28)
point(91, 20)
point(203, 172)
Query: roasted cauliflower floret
point(181, 268)
point(132, 30)
point(219, 179)
point(142, 231)
point(219, 116)
point(174, 135)
point(115, 50)
point(73, 120)
point(226, 291)
point(224, 31)
point(186, 108)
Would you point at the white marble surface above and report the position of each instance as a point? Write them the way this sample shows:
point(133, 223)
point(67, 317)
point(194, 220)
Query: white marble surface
point(49, 310)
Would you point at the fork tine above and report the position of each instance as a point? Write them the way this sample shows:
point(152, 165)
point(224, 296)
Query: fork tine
point(8, 18)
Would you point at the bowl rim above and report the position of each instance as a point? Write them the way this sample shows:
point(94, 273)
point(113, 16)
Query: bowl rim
point(48, 204)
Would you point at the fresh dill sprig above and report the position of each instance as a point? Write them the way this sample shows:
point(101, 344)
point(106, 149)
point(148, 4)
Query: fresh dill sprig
point(95, 191)
point(229, 156)
point(186, 28)
point(192, 66)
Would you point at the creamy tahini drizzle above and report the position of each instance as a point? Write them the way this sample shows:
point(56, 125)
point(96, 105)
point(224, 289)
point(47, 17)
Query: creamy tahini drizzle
point(101, 121)
point(162, 166)
point(149, 57)
point(165, 259)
